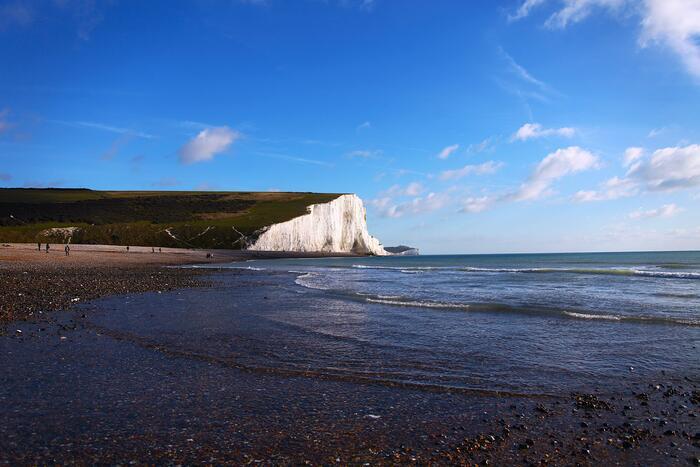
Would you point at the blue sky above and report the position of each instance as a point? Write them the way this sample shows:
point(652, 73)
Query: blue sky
point(467, 127)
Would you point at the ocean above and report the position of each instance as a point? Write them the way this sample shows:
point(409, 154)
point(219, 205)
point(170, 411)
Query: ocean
point(519, 324)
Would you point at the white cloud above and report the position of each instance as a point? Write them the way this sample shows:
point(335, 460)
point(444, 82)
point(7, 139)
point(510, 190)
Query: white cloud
point(488, 167)
point(675, 24)
point(418, 205)
point(614, 188)
point(667, 210)
point(654, 132)
point(412, 189)
point(574, 11)
point(207, 144)
point(446, 152)
point(524, 9)
point(109, 128)
point(535, 130)
point(474, 205)
point(364, 126)
point(631, 155)
point(486, 144)
point(521, 72)
point(365, 153)
point(670, 168)
point(556, 165)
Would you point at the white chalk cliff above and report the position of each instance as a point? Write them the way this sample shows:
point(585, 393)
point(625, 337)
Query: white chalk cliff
point(339, 226)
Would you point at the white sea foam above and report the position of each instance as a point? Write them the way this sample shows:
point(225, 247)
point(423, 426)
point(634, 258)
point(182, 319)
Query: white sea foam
point(417, 303)
point(305, 281)
point(590, 316)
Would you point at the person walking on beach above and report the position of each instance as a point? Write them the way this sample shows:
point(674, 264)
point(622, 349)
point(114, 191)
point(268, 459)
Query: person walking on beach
point(38, 246)
point(47, 247)
point(67, 249)
point(127, 248)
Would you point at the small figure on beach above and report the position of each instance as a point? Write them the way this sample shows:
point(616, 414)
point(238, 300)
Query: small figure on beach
point(47, 247)
point(153, 249)
point(67, 249)
point(127, 248)
point(209, 255)
point(159, 250)
point(38, 246)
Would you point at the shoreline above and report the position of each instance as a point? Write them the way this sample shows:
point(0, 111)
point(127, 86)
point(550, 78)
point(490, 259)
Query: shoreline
point(109, 394)
point(36, 282)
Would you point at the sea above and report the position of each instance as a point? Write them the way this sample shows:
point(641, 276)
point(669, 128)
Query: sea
point(509, 323)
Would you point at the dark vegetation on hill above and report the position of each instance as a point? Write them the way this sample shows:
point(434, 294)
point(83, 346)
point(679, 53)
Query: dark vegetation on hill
point(151, 218)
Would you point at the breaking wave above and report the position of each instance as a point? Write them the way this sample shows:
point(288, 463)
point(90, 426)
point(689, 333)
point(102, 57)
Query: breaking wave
point(590, 271)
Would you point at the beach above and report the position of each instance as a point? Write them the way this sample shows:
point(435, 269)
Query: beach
point(246, 362)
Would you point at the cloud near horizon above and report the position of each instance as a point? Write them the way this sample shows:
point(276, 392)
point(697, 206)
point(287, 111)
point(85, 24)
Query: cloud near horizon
point(418, 205)
point(667, 210)
point(207, 144)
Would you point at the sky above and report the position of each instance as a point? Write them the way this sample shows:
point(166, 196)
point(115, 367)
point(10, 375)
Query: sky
point(465, 126)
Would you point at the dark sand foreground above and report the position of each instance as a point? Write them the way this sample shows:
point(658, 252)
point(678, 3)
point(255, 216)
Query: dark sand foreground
point(74, 391)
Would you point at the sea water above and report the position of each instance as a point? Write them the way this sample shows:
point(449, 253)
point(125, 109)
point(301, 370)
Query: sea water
point(530, 324)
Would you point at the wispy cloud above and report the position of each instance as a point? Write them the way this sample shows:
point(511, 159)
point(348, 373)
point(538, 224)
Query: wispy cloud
point(447, 151)
point(365, 153)
point(104, 127)
point(613, 188)
point(488, 167)
point(363, 126)
point(632, 155)
point(667, 210)
point(521, 72)
point(535, 130)
point(524, 9)
point(417, 205)
point(673, 24)
point(116, 146)
point(654, 132)
point(207, 144)
point(300, 160)
point(476, 204)
point(412, 189)
point(556, 165)
point(485, 145)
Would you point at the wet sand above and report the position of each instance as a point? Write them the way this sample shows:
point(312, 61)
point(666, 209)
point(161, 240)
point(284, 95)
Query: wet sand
point(85, 387)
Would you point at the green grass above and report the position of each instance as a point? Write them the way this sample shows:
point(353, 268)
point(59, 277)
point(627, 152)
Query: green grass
point(196, 219)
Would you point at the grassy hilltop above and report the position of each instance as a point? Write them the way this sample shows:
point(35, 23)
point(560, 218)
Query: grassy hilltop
point(201, 219)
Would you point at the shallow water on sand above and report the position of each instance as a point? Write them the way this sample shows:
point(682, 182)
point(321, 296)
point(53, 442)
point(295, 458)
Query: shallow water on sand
point(452, 323)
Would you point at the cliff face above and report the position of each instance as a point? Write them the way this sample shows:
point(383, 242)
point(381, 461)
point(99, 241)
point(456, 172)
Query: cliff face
point(338, 226)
